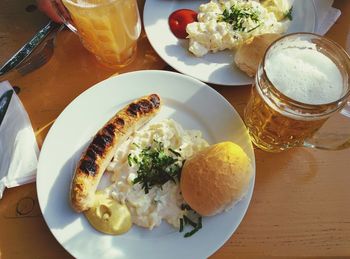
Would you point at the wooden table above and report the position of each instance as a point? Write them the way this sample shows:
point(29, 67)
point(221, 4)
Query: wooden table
point(301, 202)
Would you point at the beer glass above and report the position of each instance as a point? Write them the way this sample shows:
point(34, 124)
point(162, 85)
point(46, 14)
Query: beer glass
point(301, 83)
point(107, 28)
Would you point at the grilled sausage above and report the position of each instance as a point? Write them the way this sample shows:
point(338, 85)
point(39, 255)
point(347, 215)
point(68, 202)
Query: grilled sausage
point(102, 148)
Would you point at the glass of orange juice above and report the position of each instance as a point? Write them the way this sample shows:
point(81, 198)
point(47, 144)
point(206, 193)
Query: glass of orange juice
point(107, 28)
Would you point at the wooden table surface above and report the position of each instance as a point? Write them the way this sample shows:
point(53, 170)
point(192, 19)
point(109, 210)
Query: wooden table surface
point(301, 201)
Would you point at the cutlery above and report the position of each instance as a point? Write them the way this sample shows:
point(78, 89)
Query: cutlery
point(38, 58)
point(28, 48)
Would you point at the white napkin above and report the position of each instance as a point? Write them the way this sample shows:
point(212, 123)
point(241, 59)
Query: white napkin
point(18, 147)
point(326, 14)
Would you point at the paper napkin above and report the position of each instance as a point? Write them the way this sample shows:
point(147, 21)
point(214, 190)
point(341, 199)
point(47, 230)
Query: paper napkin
point(18, 147)
point(326, 14)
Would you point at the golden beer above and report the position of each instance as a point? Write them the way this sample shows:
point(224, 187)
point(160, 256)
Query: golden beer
point(290, 101)
point(107, 28)
point(272, 130)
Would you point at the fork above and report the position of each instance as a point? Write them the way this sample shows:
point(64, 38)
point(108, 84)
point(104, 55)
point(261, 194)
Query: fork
point(37, 59)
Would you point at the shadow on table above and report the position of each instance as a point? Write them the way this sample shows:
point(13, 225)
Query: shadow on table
point(299, 157)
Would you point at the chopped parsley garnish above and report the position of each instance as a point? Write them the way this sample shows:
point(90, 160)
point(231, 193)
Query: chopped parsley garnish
point(252, 29)
point(156, 166)
point(185, 207)
point(195, 229)
point(288, 14)
point(185, 220)
point(237, 16)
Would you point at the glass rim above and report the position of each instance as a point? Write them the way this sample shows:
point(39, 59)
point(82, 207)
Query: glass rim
point(90, 5)
point(293, 101)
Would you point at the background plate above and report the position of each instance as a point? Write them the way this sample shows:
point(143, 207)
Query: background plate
point(216, 68)
point(186, 101)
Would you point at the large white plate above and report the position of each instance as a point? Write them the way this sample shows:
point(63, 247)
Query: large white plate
point(186, 100)
point(216, 68)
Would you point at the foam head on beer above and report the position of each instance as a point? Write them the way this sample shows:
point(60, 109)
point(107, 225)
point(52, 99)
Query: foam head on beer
point(298, 70)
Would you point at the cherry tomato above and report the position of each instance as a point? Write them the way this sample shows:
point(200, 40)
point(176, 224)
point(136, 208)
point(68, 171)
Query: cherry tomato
point(178, 21)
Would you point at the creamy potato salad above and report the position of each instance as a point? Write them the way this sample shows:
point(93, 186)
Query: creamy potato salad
point(149, 203)
point(226, 24)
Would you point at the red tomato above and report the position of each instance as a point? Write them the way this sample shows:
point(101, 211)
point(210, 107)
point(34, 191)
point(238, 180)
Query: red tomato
point(178, 21)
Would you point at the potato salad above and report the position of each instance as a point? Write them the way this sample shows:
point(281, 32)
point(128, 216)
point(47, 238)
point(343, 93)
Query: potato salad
point(150, 197)
point(226, 24)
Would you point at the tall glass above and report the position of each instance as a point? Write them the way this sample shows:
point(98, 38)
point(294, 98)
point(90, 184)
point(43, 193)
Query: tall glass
point(302, 81)
point(107, 28)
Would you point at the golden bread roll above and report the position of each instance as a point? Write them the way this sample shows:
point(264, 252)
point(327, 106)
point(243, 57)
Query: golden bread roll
point(215, 178)
point(249, 55)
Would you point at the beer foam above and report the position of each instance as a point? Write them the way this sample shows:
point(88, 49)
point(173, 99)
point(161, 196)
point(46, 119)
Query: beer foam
point(304, 74)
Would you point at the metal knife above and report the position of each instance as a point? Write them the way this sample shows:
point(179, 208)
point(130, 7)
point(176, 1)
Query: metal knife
point(25, 51)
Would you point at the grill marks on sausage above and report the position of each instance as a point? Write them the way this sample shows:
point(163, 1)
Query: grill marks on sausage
point(101, 141)
point(133, 109)
point(144, 106)
point(155, 100)
point(104, 139)
point(119, 123)
point(109, 129)
point(88, 167)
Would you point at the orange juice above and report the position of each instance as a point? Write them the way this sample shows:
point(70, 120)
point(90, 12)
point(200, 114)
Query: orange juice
point(108, 28)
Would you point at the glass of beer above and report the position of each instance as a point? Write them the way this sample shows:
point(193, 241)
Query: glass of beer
point(302, 81)
point(107, 28)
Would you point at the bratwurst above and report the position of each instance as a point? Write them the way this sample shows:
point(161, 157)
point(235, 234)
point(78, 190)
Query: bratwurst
point(101, 150)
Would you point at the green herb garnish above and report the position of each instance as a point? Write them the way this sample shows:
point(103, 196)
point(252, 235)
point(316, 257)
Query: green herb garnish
point(185, 220)
point(174, 152)
point(198, 227)
point(288, 14)
point(156, 166)
point(181, 225)
point(252, 29)
point(132, 160)
point(236, 16)
point(185, 207)
point(188, 221)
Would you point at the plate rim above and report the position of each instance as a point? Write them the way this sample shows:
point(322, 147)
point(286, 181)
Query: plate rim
point(180, 70)
point(100, 84)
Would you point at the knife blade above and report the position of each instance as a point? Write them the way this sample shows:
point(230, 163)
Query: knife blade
point(25, 51)
point(4, 103)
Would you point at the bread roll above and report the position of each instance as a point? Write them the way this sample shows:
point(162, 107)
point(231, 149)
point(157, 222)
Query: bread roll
point(249, 55)
point(215, 178)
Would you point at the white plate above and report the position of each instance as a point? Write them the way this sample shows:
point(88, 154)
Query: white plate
point(188, 101)
point(216, 68)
